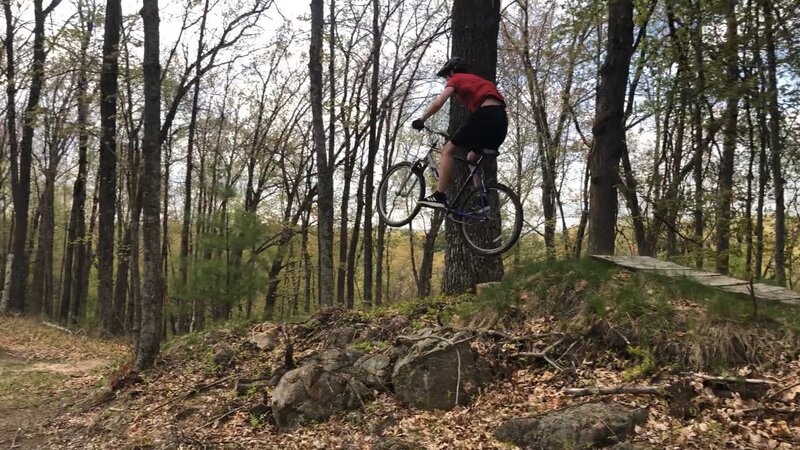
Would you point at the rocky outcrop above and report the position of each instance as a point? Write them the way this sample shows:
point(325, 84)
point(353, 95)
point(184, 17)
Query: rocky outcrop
point(323, 385)
point(586, 426)
point(375, 371)
point(437, 369)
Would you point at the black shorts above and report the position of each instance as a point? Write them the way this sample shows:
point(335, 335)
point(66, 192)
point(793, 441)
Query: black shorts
point(485, 128)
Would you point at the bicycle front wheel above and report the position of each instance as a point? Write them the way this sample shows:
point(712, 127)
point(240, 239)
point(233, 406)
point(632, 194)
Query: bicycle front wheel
point(399, 194)
point(491, 221)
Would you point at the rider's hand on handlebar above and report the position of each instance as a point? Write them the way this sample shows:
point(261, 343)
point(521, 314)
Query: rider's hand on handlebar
point(418, 124)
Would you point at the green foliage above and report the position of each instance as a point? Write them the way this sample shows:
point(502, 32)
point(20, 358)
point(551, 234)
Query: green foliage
point(645, 366)
point(368, 346)
point(230, 271)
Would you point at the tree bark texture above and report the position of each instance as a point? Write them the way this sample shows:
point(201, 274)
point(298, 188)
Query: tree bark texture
point(150, 328)
point(324, 162)
point(21, 171)
point(775, 143)
point(609, 128)
point(110, 324)
point(77, 215)
point(725, 180)
point(475, 25)
point(372, 152)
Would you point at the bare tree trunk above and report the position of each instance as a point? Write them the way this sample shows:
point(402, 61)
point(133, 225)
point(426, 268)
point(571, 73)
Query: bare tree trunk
point(42, 282)
point(696, 32)
point(21, 171)
point(749, 197)
point(352, 254)
point(6, 282)
point(426, 266)
point(324, 161)
point(725, 181)
point(306, 263)
point(150, 333)
point(13, 302)
point(77, 215)
point(475, 25)
point(775, 144)
point(372, 152)
point(609, 128)
point(107, 181)
point(182, 307)
point(763, 179)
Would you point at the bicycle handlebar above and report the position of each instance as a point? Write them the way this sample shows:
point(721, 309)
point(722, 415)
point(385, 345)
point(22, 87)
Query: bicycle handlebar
point(437, 132)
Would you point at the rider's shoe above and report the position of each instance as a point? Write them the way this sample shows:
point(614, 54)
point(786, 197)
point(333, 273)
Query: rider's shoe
point(435, 201)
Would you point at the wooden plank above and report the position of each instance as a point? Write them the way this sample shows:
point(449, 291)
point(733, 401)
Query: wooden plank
point(713, 280)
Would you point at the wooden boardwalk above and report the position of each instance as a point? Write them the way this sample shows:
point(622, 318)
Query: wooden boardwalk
point(714, 280)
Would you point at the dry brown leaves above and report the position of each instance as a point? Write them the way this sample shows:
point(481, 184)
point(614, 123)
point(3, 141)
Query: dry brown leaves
point(531, 389)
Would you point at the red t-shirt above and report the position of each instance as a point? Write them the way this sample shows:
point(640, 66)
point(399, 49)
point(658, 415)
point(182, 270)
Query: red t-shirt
point(473, 90)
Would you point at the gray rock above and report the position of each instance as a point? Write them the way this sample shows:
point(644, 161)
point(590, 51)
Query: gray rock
point(586, 426)
point(266, 338)
point(374, 370)
point(341, 337)
point(435, 374)
point(224, 356)
point(316, 390)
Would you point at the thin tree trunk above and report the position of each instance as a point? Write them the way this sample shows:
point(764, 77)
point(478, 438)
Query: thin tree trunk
point(13, 302)
point(775, 144)
point(426, 266)
point(150, 333)
point(42, 283)
point(696, 32)
point(181, 298)
point(748, 224)
point(372, 152)
point(83, 262)
point(107, 181)
point(324, 162)
point(306, 263)
point(352, 254)
point(21, 172)
point(725, 180)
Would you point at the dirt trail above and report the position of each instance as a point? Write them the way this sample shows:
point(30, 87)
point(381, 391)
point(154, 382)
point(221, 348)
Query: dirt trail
point(42, 371)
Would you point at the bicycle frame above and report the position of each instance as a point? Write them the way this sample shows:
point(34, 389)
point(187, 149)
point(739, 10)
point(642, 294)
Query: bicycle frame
point(475, 176)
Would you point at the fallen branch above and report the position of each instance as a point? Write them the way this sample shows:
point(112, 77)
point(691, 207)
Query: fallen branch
point(543, 354)
point(57, 327)
point(781, 391)
point(761, 410)
point(14, 440)
point(734, 379)
point(613, 390)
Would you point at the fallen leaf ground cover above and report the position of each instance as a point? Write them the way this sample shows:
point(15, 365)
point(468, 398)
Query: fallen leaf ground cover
point(600, 327)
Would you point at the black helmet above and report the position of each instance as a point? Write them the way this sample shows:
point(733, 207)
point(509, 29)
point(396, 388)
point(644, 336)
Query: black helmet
point(453, 64)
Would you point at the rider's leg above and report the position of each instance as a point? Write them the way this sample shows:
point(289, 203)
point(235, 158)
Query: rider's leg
point(472, 158)
point(447, 167)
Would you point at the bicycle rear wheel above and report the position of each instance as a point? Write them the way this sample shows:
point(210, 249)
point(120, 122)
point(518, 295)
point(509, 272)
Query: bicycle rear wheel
point(399, 194)
point(491, 222)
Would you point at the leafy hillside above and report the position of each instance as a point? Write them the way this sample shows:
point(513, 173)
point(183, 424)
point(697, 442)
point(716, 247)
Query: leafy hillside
point(704, 372)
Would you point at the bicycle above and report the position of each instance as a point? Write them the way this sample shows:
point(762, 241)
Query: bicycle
point(489, 216)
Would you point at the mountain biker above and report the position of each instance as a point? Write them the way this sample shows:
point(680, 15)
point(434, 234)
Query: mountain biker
point(485, 128)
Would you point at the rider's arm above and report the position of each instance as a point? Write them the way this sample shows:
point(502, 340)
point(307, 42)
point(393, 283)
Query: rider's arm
point(438, 103)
